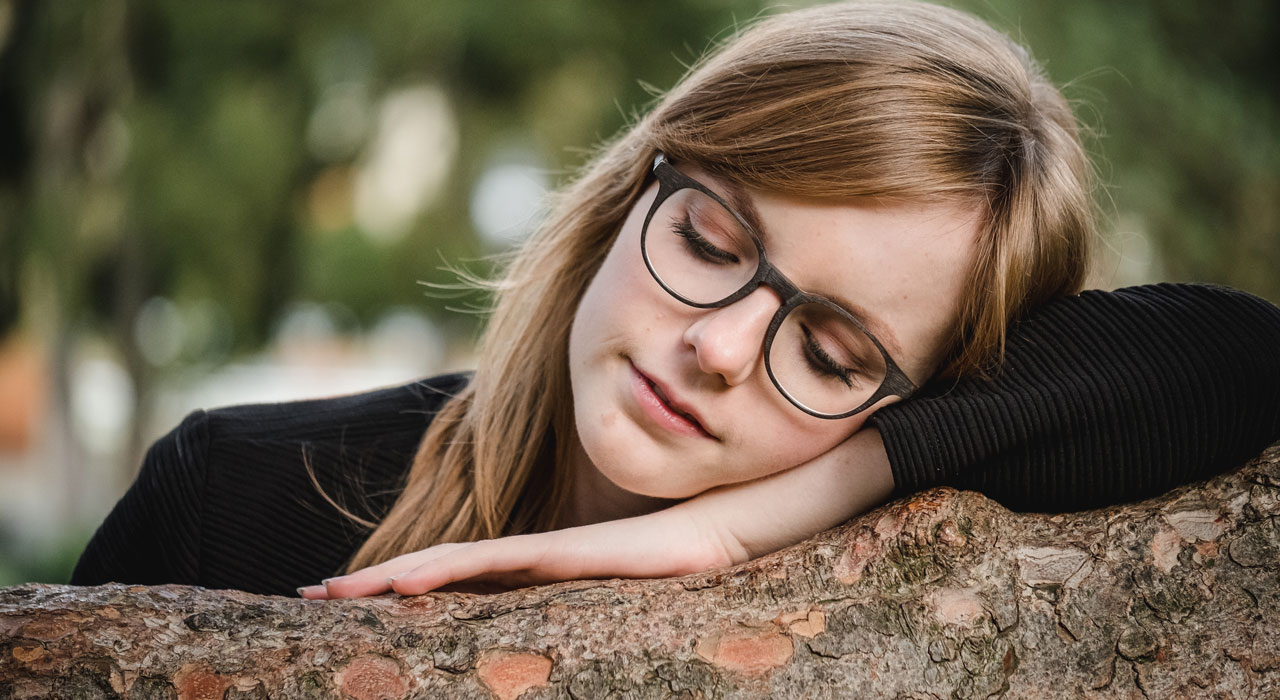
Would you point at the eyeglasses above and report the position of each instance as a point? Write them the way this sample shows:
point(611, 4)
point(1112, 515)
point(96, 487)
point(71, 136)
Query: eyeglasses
point(817, 353)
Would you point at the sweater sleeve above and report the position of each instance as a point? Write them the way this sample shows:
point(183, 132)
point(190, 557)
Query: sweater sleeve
point(1102, 398)
point(152, 535)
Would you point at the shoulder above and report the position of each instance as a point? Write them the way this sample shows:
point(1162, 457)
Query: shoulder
point(272, 473)
point(406, 407)
point(153, 533)
point(266, 455)
point(226, 499)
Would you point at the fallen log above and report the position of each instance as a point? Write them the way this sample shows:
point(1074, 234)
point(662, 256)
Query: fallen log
point(944, 594)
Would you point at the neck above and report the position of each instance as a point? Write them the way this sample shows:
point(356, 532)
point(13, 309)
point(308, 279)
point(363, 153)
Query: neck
point(595, 499)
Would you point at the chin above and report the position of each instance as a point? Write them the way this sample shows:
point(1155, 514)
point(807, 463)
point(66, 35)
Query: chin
point(636, 471)
point(630, 473)
point(659, 490)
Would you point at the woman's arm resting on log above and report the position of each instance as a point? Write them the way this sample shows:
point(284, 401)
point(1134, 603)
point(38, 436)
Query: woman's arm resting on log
point(1102, 398)
point(719, 527)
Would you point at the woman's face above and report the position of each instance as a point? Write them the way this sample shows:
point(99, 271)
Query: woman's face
point(636, 353)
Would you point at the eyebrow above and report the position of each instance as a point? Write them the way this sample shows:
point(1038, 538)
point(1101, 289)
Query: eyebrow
point(746, 208)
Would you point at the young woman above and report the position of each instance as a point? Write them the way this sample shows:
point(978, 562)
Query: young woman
point(840, 260)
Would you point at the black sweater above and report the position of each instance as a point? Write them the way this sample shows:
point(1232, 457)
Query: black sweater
point(1103, 398)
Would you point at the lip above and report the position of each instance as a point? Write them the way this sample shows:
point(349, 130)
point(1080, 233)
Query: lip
point(660, 404)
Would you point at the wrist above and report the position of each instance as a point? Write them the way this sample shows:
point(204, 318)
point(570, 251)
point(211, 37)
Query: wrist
point(777, 511)
point(709, 523)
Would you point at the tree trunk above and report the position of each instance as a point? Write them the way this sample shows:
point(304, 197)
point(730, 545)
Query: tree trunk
point(945, 594)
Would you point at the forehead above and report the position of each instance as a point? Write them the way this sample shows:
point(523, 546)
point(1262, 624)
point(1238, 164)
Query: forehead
point(901, 266)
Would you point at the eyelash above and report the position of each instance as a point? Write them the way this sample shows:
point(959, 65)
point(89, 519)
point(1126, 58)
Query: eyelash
point(699, 245)
point(824, 363)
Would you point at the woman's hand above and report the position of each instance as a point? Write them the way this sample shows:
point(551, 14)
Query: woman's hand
point(720, 527)
point(665, 543)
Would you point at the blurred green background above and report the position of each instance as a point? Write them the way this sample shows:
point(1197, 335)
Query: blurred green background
point(207, 203)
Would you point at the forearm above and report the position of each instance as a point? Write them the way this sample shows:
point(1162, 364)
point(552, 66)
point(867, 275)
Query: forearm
point(756, 517)
point(720, 527)
point(1102, 398)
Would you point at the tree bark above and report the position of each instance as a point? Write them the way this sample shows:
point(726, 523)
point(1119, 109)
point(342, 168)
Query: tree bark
point(944, 594)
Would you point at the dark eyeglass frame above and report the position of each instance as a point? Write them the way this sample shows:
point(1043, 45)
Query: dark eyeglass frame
point(670, 180)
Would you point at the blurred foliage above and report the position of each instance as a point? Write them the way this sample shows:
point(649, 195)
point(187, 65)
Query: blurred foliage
point(159, 147)
point(49, 561)
point(1186, 110)
point(211, 102)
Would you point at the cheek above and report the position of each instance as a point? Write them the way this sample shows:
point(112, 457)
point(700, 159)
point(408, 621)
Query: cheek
point(780, 441)
point(621, 306)
point(818, 436)
point(599, 305)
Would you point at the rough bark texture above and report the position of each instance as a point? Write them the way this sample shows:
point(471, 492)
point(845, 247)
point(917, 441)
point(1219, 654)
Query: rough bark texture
point(945, 594)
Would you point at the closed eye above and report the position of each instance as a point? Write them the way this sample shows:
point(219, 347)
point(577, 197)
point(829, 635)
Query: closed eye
point(700, 246)
point(822, 362)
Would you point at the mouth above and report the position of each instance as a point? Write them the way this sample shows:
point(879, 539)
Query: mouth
point(669, 411)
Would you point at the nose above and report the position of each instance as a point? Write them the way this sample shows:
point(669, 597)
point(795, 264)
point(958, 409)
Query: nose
point(728, 340)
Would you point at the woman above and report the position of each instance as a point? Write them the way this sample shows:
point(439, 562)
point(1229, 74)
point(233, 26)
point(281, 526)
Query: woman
point(656, 395)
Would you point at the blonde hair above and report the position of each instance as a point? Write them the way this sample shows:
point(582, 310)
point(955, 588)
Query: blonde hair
point(892, 100)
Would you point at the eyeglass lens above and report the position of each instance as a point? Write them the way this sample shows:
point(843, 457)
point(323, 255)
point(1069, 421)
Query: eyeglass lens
point(701, 252)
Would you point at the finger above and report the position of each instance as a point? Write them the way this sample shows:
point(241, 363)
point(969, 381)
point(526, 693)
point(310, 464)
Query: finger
point(352, 586)
point(313, 593)
point(489, 560)
point(372, 580)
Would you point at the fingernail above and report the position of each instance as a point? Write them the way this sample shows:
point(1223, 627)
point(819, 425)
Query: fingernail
point(325, 582)
point(310, 589)
point(299, 589)
point(391, 580)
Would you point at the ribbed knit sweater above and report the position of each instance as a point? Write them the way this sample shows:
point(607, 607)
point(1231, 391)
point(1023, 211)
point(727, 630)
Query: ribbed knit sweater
point(1102, 398)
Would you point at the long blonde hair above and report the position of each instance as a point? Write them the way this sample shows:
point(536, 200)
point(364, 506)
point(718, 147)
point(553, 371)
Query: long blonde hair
point(893, 100)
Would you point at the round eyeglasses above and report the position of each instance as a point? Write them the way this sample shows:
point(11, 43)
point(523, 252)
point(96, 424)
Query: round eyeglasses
point(817, 353)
